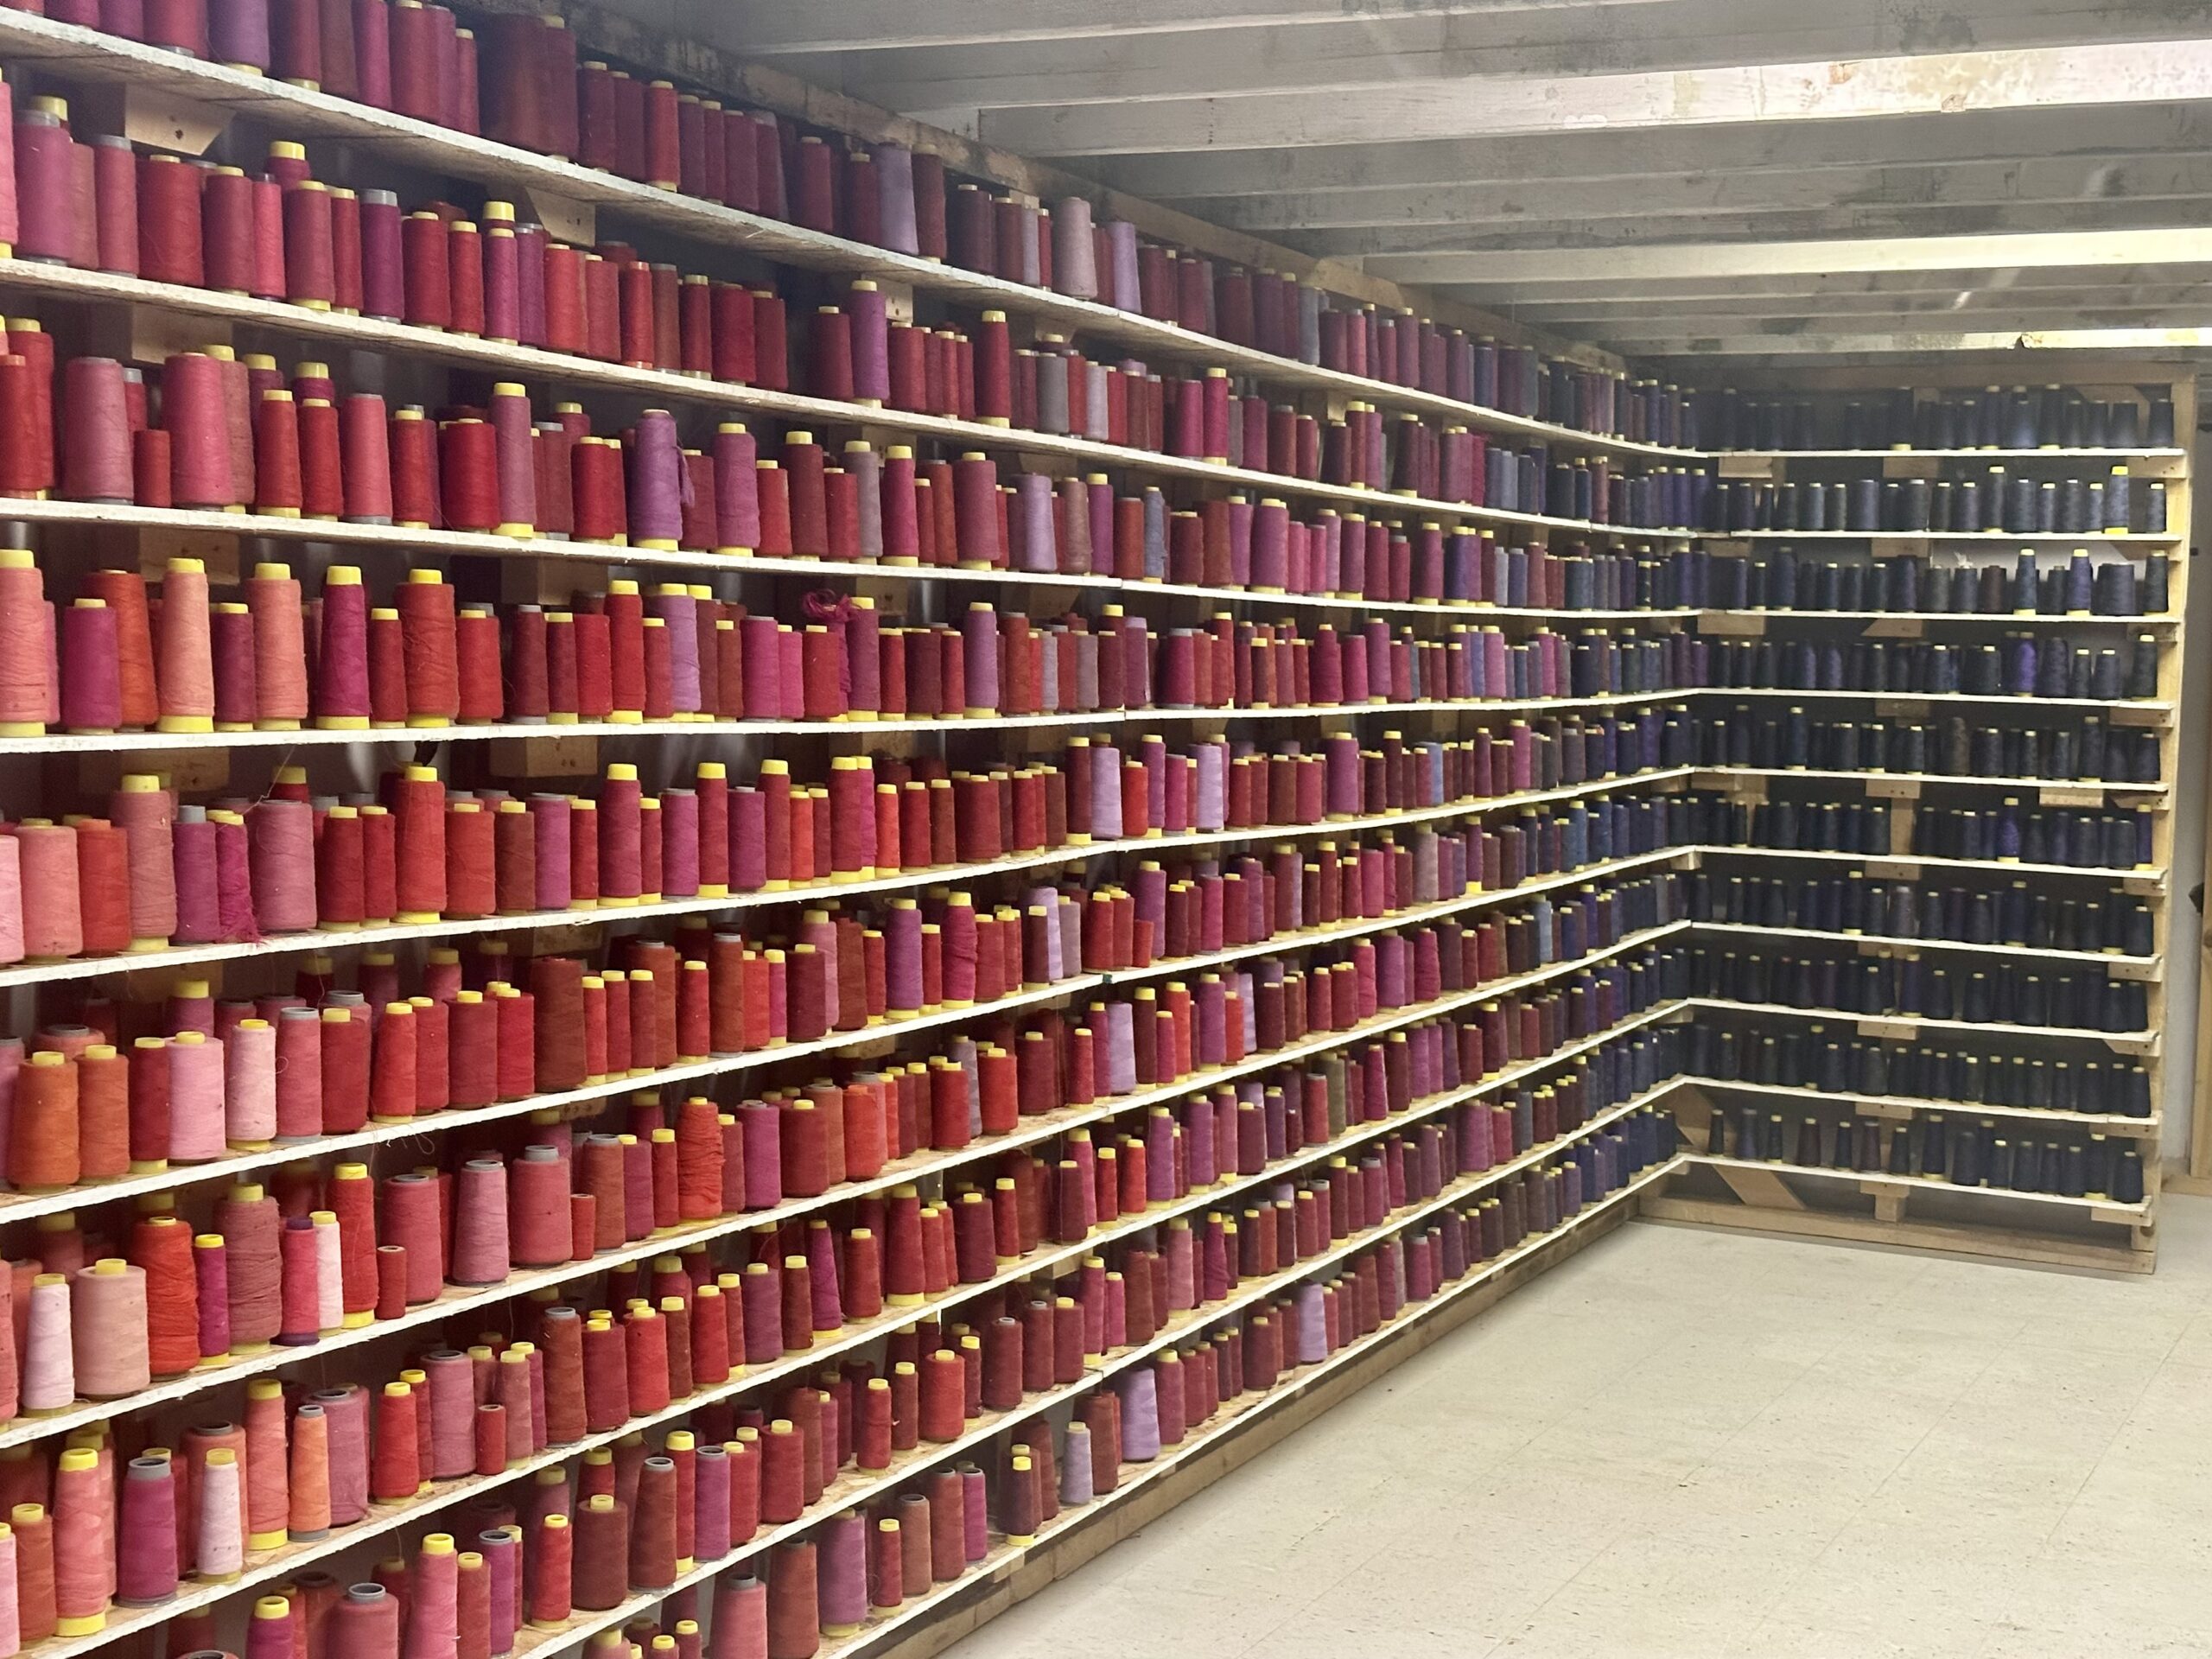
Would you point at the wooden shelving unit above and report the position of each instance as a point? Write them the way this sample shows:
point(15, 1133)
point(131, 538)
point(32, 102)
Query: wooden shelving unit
point(151, 318)
point(1873, 1207)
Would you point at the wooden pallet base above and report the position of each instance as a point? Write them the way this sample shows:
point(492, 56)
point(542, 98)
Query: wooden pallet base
point(1239, 1443)
point(2000, 1244)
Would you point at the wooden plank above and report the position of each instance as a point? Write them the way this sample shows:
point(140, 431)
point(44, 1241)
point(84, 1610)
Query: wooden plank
point(1927, 83)
point(2103, 137)
point(2002, 251)
point(2002, 1243)
point(1762, 1189)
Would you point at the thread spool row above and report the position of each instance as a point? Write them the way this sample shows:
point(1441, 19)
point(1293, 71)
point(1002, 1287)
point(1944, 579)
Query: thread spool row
point(304, 864)
point(2012, 916)
point(1953, 747)
point(2003, 994)
point(1998, 501)
point(2110, 839)
point(539, 98)
point(2016, 417)
point(1911, 584)
point(181, 660)
point(284, 236)
point(232, 435)
point(1932, 1147)
point(1841, 1062)
point(2023, 665)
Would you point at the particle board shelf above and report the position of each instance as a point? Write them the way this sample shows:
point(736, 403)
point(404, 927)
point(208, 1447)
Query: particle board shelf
point(1902, 1106)
point(2139, 711)
point(2048, 791)
point(1907, 541)
point(86, 55)
point(660, 387)
point(2101, 1209)
point(418, 736)
point(810, 892)
point(1734, 621)
point(1907, 867)
point(1908, 1026)
point(2012, 1244)
point(1885, 943)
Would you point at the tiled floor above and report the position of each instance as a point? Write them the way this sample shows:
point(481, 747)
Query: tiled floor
point(1699, 1444)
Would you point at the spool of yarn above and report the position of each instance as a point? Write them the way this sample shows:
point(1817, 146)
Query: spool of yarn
point(32, 1530)
point(108, 1326)
point(43, 1127)
point(161, 1247)
point(249, 1223)
point(146, 813)
point(28, 681)
point(220, 1556)
point(433, 1599)
point(364, 1623)
point(479, 1237)
point(146, 1542)
point(183, 651)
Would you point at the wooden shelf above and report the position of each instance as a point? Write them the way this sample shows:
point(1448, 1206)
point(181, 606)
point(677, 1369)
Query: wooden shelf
point(1883, 943)
point(2106, 1210)
point(1904, 867)
point(2048, 791)
point(80, 54)
point(1909, 1026)
point(2159, 712)
point(1896, 1106)
point(1732, 621)
point(417, 736)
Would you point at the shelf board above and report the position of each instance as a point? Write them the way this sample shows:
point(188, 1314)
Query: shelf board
point(2145, 967)
point(2148, 874)
point(417, 736)
point(2044, 788)
point(1891, 1106)
point(2049, 452)
point(2165, 622)
point(2106, 1210)
point(2161, 712)
point(1908, 1025)
point(86, 55)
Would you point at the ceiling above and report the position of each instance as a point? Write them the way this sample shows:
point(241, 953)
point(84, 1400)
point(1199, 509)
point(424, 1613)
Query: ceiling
point(1662, 176)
